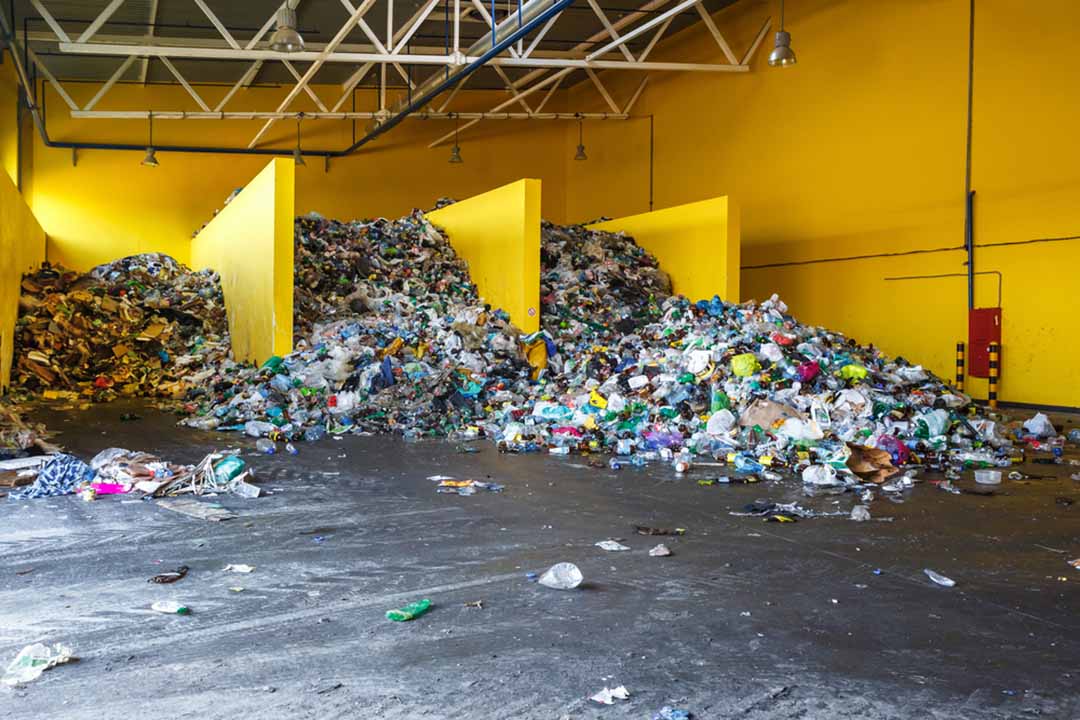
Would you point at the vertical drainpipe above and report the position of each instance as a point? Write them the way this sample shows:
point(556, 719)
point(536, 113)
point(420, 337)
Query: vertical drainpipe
point(969, 194)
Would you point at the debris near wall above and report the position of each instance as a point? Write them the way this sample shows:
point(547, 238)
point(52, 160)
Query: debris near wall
point(631, 370)
point(394, 339)
point(134, 327)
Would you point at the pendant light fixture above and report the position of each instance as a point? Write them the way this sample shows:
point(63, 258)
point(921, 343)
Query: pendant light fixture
point(455, 152)
point(580, 140)
point(150, 160)
point(782, 54)
point(285, 38)
point(298, 157)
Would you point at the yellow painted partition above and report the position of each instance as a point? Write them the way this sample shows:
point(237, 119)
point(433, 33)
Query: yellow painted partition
point(498, 234)
point(250, 244)
point(22, 248)
point(697, 245)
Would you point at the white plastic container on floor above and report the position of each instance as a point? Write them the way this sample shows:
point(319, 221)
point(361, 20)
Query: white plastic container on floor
point(988, 477)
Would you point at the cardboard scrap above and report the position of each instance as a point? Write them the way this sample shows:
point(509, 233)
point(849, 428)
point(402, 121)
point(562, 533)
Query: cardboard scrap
point(194, 508)
point(870, 463)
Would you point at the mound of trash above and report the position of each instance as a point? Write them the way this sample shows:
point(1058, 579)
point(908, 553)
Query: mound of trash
point(134, 327)
point(399, 342)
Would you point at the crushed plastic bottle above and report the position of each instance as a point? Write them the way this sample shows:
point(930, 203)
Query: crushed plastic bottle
point(562, 576)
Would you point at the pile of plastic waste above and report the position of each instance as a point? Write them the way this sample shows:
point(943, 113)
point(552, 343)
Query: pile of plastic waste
point(644, 375)
point(134, 327)
point(399, 342)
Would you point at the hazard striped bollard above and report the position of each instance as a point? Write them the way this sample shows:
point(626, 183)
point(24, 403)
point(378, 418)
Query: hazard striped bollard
point(995, 372)
point(960, 366)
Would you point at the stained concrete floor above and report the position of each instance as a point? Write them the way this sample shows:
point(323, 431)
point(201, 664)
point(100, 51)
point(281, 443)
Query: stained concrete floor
point(745, 620)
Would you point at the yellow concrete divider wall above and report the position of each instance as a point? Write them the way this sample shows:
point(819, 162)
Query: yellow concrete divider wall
point(22, 248)
point(498, 234)
point(697, 245)
point(250, 244)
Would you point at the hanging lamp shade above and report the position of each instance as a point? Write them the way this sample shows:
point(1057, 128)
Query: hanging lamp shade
point(150, 160)
point(285, 38)
point(782, 54)
point(455, 155)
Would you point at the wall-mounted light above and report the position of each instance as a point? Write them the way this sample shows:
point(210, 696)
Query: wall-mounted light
point(298, 157)
point(782, 54)
point(285, 38)
point(580, 140)
point(455, 152)
point(150, 160)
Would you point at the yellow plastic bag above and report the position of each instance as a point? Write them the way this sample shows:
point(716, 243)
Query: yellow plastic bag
point(745, 365)
point(853, 372)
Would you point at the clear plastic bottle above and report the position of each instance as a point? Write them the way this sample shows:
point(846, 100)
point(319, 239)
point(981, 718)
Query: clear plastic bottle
point(265, 446)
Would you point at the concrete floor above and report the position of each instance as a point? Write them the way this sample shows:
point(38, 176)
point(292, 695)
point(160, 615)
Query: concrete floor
point(746, 620)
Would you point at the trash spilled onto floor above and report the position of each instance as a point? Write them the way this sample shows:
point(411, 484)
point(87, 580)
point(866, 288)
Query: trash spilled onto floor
point(392, 337)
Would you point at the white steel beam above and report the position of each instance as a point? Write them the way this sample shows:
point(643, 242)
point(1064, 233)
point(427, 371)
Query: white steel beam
point(715, 31)
point(757, 41)
point(217, 24)
point(363, 57)
point(316, 65)
point(414, 25)
point(180, 79)
point(50, 21)
point(616, 42)
point(100, 20)
point(548, 94)
point(362, 115)
point(634, 98)
point(603, 90)
point(351, 84)
point(510, 89)
point(51, 79)
point(506, 103)
point(656, 38)
point(454, 92)
point(620, 41)
point(150, 33)
point(244, 81)
point(307, 88)
point(540, 35)
point(110, 82)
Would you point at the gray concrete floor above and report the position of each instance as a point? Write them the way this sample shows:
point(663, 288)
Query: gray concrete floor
point(746, 620)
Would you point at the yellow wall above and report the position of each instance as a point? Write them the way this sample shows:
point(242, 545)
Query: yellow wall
point(250, 244)
point(697, 245)
point(9, 134)
point(22, 248)
point(109, 206)
point(498, 234)
point(859, 150)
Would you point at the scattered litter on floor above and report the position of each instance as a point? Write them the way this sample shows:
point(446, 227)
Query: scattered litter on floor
point(562, 576)
point(939, 578)
point(467, 487)
point(409, 612)
point(1075, 563)
point(166, 578)
point(660, 550)
point(170, 607)
point(239, 568)
point(611, 546)
point(197, 509)
point(860, 513)
point(608, 696)
point(670, 713)
point(645, 530)
point(35, 659)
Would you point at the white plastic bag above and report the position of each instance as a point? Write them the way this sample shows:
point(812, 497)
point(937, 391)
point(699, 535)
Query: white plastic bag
point(33, 660)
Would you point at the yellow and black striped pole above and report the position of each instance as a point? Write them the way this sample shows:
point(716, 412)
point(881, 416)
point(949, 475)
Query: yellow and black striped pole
point(960, 366)
point(993, 376)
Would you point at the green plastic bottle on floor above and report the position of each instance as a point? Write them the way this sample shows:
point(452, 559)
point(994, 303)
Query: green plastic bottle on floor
point(410, 611)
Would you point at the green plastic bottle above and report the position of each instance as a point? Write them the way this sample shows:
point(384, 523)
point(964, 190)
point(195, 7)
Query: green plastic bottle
point(410, 611)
